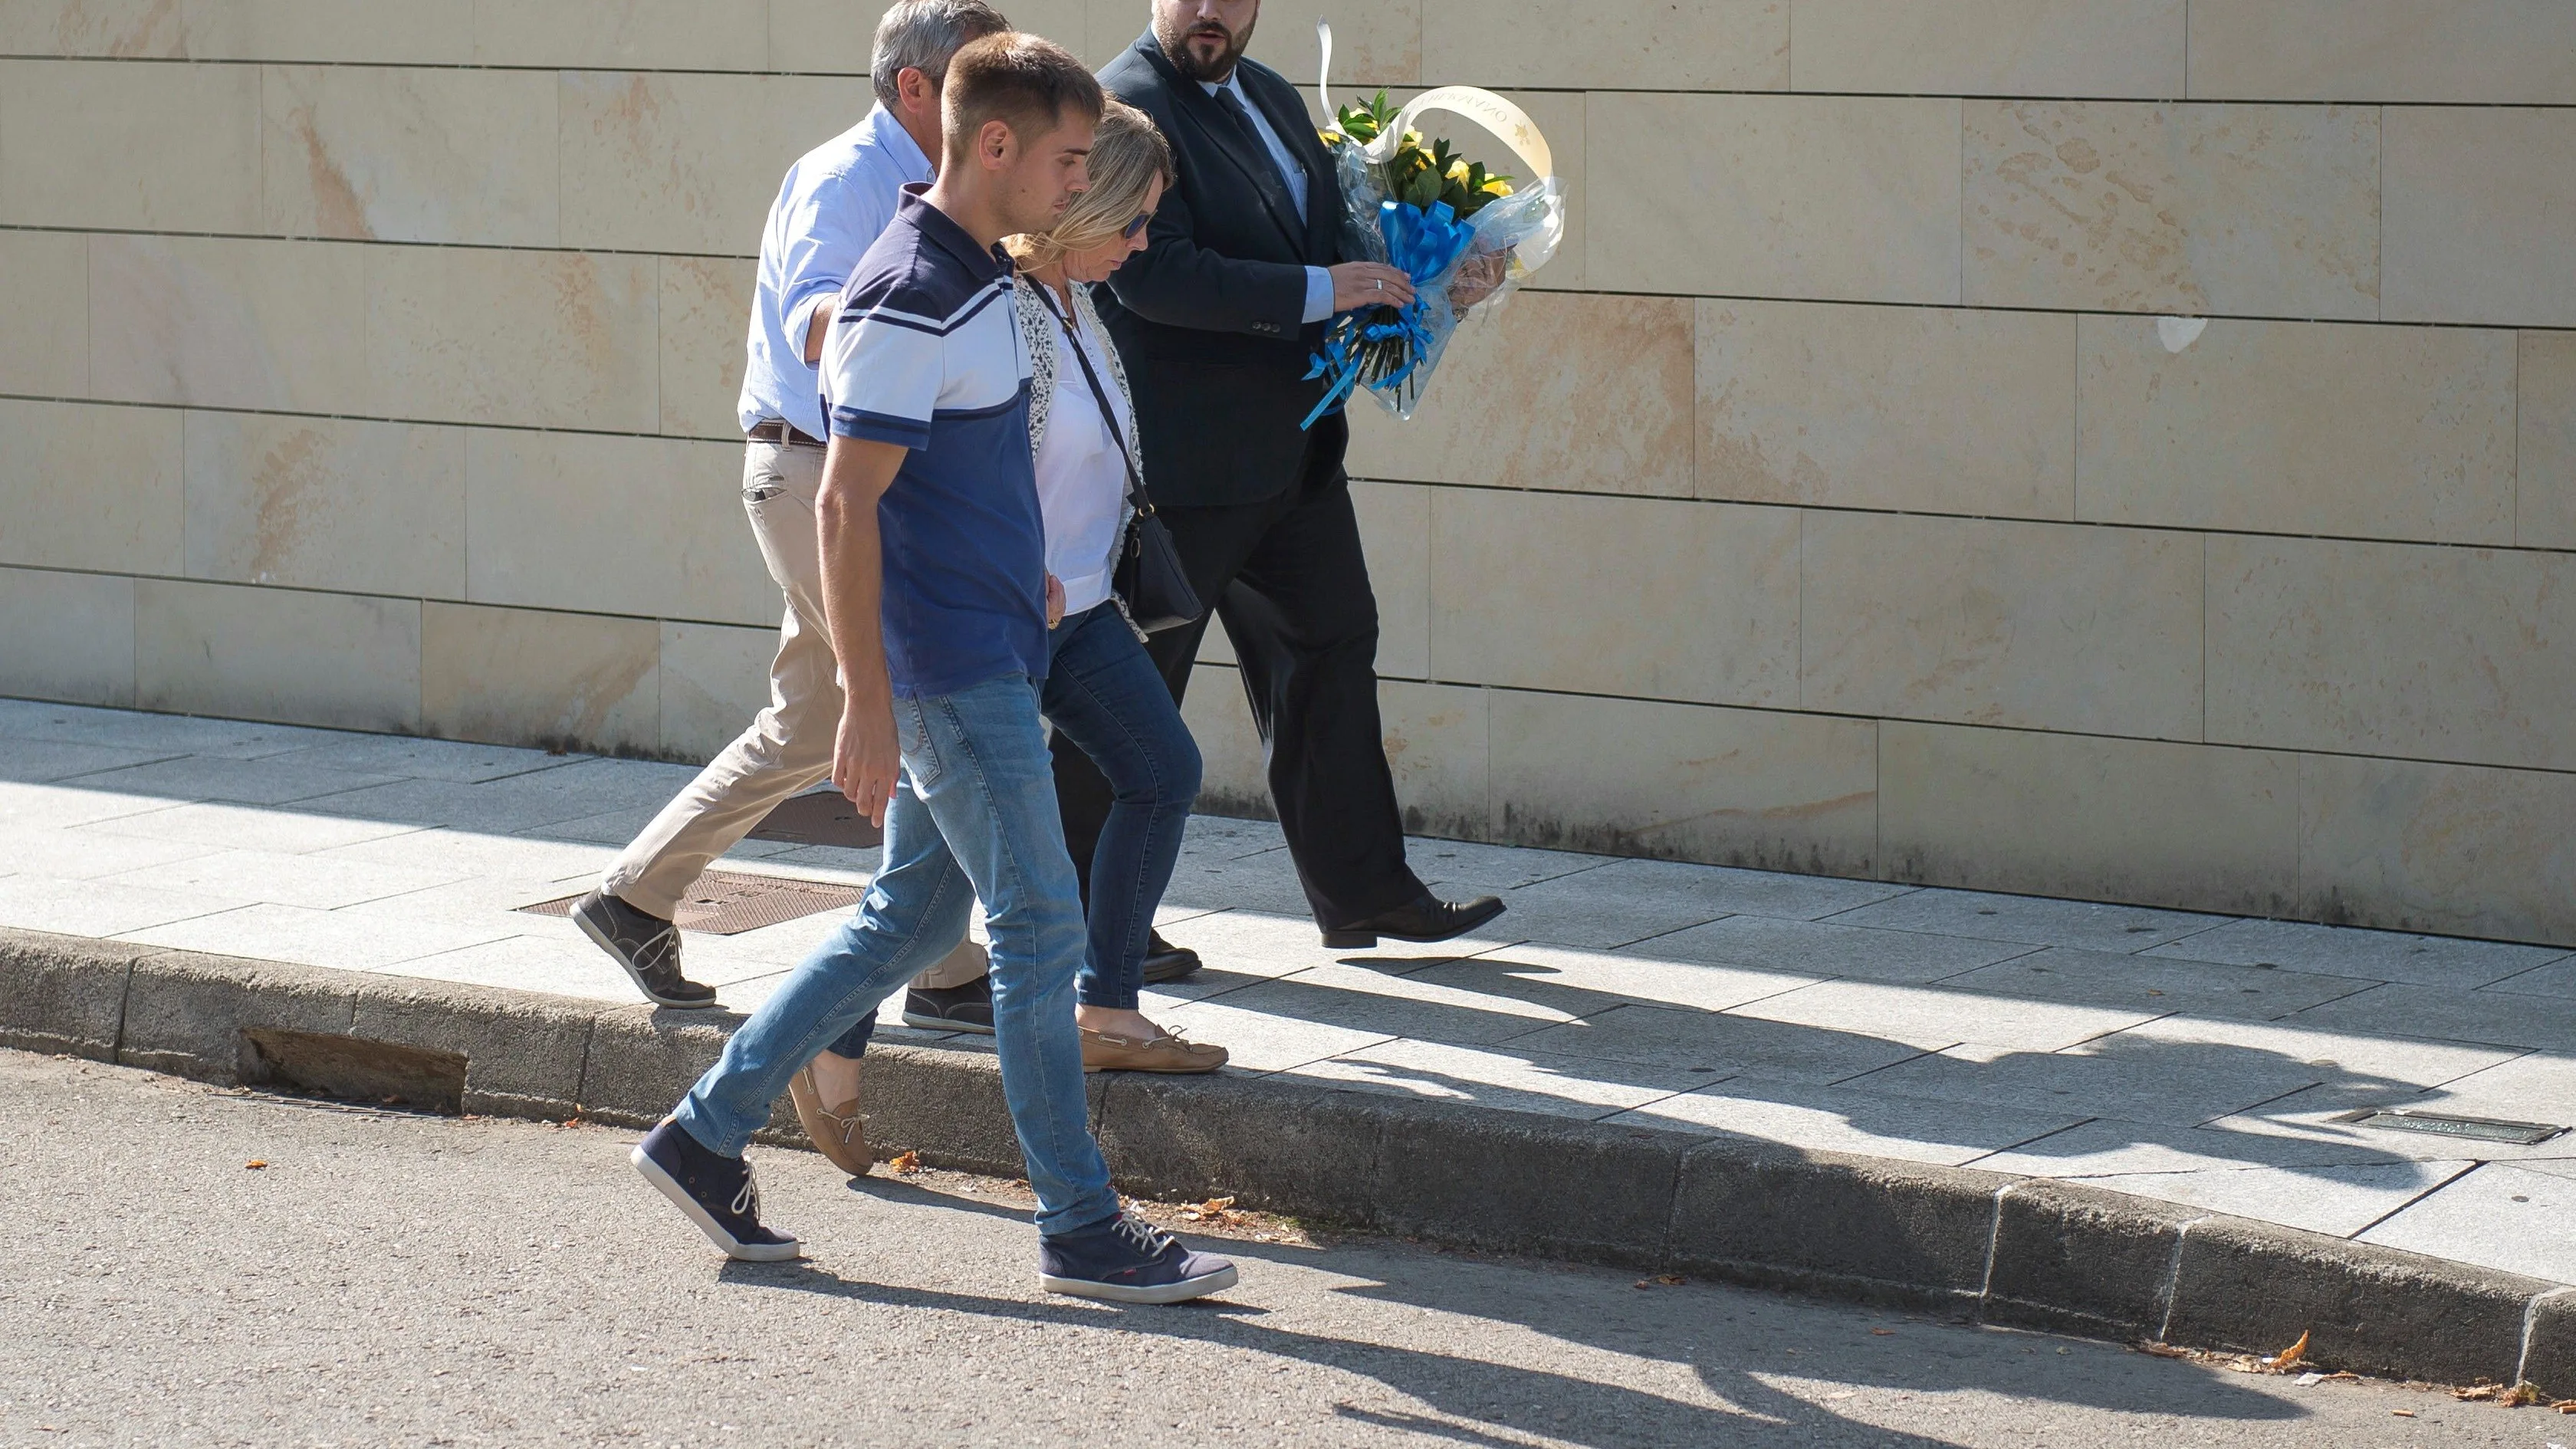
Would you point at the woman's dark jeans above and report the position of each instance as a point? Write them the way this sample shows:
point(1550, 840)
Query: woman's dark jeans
point(1105, 695)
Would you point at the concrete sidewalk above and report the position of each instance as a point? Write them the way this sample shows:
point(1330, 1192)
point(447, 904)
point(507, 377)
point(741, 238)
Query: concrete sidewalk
point(2186, 1058)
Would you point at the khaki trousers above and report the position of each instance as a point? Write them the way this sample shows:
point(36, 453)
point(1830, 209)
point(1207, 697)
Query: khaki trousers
point(787, 749)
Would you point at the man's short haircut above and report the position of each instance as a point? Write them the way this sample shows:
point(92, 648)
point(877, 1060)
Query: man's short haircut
point(1018, 79)
point(924, 35)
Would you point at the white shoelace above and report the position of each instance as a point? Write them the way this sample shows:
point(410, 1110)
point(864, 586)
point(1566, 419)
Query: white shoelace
point(746, 1203)
point(1148, 1239)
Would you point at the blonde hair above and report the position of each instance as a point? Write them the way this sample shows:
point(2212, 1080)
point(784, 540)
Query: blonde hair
point(1127, 157)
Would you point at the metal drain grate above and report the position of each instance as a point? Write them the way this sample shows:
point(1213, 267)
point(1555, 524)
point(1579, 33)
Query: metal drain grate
point(724, 903)
point(825, 817)
point(2480, 1129)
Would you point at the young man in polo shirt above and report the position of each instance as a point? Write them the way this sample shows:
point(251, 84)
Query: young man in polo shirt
point(935, 589)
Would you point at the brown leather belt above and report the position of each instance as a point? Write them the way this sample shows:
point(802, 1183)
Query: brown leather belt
point(782, 433)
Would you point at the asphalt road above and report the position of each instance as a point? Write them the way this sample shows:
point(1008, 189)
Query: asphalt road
point(389, 1279)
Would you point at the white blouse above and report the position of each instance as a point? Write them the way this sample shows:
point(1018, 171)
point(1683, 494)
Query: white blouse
point(1082, 478)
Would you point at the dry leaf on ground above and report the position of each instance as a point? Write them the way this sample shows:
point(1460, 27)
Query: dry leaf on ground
point(256, 1163)
point(904, 1164)
point(2283, 1361)
point(2403, 1413)
point(2163, 1350)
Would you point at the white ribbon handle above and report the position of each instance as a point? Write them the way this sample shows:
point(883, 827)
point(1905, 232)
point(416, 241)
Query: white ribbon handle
point(1509, 123)
point(1324, 71)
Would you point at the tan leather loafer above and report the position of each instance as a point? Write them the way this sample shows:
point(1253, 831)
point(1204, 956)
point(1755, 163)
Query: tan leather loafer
point(1103, 1052)
point(842, 1137)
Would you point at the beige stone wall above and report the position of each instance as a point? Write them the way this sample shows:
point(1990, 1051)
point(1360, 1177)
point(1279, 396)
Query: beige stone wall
point(1835, 502)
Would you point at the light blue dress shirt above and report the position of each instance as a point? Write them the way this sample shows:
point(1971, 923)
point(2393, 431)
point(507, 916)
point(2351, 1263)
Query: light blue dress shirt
point(835, 202)
point(1319, 283)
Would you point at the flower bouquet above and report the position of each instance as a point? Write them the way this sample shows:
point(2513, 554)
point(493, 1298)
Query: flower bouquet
point(1468, 237)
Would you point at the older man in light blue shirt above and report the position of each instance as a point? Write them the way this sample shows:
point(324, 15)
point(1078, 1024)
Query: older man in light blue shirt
point(835, 201)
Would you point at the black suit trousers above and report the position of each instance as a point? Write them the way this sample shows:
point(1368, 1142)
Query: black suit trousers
point(1291, 584)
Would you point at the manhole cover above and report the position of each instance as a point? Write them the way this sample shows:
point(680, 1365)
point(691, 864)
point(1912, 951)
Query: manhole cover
point(724, 903)
point(825, 817)
point(2481, 1129)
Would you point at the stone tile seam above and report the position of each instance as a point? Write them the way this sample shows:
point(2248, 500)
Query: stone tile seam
point(2469, 1166)
point(2169, 1292)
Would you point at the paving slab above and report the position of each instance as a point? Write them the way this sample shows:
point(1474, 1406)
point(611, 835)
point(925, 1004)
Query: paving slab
point(2180, 1090)
point(33, 901)
point(270, 781)
point(1416, 1005)
point(2340, 1201)
point(403, 757)
point(347, 940)
point(287, 880)
point(1845, 1119)
point(1728, 891)
point(37, 762)
point(1259, 1041)
point(2365, 1063)
point(1241, 948)
point(2105, 1146)
point(1617, 905)
point(529, 963)
point(172, 734)
point(1576, 983)
point(2370, 955)
point(2040, 921)
point(1721, 1042)
point(1933, 1018)
point(299, 830)
point(2446, 1013)
point(61, 807)
point(1819, 949)
point(2535, 1088)
point(2503, 1216)
point(478, 852)
point(68, 854)
point(1458, 869)
point(2152, 984)
point(2558, 979)
point(1507, 1077)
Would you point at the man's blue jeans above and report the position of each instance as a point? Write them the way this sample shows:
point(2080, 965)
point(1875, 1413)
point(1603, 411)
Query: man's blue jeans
point(978, 819)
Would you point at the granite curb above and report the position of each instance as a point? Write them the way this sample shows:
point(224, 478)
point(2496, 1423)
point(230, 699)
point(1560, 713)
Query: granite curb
point(2023, 1252)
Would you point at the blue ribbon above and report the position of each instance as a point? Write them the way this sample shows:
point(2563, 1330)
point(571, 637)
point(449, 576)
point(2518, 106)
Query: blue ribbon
point(1425, 242)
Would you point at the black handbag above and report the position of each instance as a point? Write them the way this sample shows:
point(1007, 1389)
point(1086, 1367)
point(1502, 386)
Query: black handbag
point(1149, 578)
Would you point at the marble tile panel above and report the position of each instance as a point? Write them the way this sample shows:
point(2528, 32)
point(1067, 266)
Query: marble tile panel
point(1730, 787)
point(2412, 846)
point(2083, 816)
point(533, 501)
point(1570, 392)
point(2442, 961)
point(1232, 776)
point(328, 659)
point(278, 780)
point(2195, 209)
point(1721, 1044)
point(2500, 1216)
point(1435, 738)
point(377, 153)
point(533, 339)
point(332, 939)
point(1643, 45)
point(1845, 1119)
point(287, 880)
point(1992, 47)
point(1395, 527)
point(673, 34)
point(688, 162)
point(1376, 45)
point(301, 831)
point(2475, 225)
point(704, 302)
point(67, 636)
point(834, 37)
point(84, 487)
point(1510, 1078)
point(1560, 983)
point(1506, 609)
point(1841, 198)
point(713, 680)
point(1934, 1018)
point(521, 677)
point(224, 322)
point(2096, 1149)
point(34, 902)
point(382, 32)
point(2493, 1018)
point(2299, 427)
point(325, 503)
point(2139, 982)
point(104, 146)
point(44, 291)
point(2336, 1200)
point(1979, 621)
point(2085, 925)
point(2477, 52)
point(2545, 500)
point(1907, 408)
point(2465, 655)
point(1856, 952)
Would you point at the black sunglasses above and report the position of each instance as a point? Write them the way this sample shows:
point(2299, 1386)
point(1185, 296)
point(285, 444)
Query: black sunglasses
point(1143, 220)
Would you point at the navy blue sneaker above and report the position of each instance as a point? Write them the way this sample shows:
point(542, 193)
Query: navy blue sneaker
point(1129, 1260)
point(716, 1192)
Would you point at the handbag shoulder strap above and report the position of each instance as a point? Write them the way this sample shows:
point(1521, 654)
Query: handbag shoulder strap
point(1109, 415)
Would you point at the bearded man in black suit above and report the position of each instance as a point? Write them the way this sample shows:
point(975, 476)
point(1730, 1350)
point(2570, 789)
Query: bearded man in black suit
point(1215, 321)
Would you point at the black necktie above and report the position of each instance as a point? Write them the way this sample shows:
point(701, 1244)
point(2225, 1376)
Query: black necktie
point(1282, 195)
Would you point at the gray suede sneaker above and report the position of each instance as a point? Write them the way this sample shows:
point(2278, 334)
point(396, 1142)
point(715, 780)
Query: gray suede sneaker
point(646, 945)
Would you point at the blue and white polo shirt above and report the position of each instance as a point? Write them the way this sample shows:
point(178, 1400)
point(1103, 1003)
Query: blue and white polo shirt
point(926, 353)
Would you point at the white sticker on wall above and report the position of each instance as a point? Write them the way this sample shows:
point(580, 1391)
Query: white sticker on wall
point(2178, 333)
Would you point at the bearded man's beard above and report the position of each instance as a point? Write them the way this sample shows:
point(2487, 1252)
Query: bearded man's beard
point(1187, 60)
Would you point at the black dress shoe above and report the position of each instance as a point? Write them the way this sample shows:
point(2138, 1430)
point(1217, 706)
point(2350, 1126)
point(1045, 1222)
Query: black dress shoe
point(1167, 962)
point(1426, 919)
point(951, 1008)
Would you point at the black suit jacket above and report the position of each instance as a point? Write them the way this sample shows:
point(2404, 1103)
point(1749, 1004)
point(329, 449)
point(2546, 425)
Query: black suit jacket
point(1208, 317)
